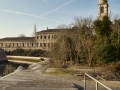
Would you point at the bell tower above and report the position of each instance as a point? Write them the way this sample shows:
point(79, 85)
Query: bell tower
point(102, 8)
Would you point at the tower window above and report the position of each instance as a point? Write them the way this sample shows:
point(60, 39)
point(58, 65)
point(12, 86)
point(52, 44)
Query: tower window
point(102, 9)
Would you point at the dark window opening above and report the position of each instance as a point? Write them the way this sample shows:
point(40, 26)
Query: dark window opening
point(41, 37)
point(2, 44)
point(37, 37)
point(48, 44)
point(52, 37)
point(32, 44)
point(52, 44)
point(37, 44)
point(44, 37)
point(102, 9)
point(44, 44)
point(27, 44)
point(41, 44)
point(48, 37)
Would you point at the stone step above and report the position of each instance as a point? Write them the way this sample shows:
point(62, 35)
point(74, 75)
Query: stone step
point(36, 88)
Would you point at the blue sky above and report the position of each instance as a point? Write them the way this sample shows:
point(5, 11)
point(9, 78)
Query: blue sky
point(19, 16)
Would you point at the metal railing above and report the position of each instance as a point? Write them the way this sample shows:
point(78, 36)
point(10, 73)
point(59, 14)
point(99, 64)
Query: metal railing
point(97, 82)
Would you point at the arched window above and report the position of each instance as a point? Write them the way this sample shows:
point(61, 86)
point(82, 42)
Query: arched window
point(102, 9)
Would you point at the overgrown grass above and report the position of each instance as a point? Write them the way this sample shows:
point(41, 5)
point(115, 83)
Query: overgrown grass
point(60, 71)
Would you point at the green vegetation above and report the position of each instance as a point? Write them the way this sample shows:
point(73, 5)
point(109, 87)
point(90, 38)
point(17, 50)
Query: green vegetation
point(90, 41)
point(33, 53)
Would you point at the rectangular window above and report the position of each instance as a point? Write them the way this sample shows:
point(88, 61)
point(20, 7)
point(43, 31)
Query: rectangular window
point(52, 37)
point(49, 37)
point(32, 44)
point(9, 44)
point(48, 44)
point(23, 44)
point(40, 44)
point(5, 44)
point(44, 44)
point(13, 44)
point(27, 44)
point(17, 44)
point(2, 44)
point(37, 37)
point(56, 36)
point(37, 44)
point(55, 44)
point(51, 44)
point(41, 37)
point(44, 37)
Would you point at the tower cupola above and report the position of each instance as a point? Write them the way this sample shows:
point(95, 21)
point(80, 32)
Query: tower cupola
point(102, 1)
point(102, 8)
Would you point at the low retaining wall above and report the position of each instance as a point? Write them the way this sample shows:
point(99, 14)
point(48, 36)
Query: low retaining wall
point(2, 55)
point(25, 59)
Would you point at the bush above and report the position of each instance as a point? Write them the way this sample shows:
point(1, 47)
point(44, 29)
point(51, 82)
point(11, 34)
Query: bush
point(106, 53)
point(34, 53)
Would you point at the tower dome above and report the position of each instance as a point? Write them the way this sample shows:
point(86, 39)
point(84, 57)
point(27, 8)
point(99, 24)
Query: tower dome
point(102, 1)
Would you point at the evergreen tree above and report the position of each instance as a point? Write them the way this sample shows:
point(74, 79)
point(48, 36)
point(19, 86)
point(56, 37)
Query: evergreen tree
point(106, 40)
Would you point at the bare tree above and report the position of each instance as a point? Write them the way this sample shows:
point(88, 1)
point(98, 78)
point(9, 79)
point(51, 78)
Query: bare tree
point(63, 26)
point(77, 44)
point(22, 35)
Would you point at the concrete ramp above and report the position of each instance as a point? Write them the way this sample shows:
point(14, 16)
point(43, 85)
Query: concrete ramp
point(43, 84)
point(34, 79)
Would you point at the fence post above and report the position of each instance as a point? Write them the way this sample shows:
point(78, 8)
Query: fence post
point(84, 82)
point(96, 85)
point(97, 82)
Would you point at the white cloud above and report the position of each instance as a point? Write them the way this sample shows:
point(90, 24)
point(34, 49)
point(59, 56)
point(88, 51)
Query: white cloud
point(32, 15)
point(59, 7)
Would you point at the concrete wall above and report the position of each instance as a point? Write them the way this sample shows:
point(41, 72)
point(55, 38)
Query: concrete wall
point(25, 59)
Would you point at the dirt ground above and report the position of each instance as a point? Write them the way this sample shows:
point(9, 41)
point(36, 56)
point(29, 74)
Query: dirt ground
point(77, 74)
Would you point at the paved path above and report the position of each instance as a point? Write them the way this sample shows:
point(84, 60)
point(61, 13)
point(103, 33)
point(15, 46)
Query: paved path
point(34, 79)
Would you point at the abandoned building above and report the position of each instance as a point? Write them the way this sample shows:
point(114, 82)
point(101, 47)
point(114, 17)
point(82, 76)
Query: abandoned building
point(44, 39)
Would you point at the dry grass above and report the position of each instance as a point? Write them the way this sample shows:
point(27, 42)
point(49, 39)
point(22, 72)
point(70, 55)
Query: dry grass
point(59, 71)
